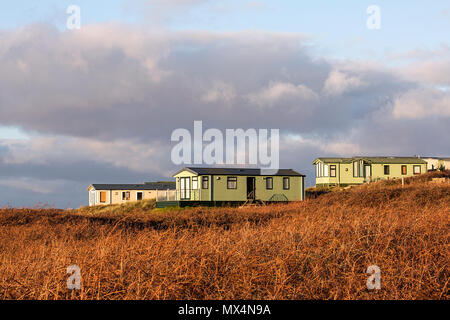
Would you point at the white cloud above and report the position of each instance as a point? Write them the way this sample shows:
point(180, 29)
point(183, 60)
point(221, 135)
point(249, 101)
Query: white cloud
point(339, 83)
point(433, 72)
point(422, 103)
point(278, 91)
point(220, 91)
point(343, 147)
point(426, 66)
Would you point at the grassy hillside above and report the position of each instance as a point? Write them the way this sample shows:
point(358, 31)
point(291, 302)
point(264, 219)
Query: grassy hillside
point(316, 249)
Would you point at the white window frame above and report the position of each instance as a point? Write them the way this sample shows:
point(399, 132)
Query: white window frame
point(185, 188)
point(123, 196)
point(92, 196)
point(333, 165)
point(355, 170)
point(194, 183)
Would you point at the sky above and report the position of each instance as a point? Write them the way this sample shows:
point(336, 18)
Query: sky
point(98, 104)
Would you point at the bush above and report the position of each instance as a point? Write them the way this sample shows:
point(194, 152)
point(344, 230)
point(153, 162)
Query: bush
point(315, 249)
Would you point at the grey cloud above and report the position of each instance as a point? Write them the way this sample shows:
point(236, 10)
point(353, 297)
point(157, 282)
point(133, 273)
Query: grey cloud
point(3, 150)
point(106, 99)
point(67, 196)
point(63, 183)
point(409, 137)
point(86, 172)
point(136, 85)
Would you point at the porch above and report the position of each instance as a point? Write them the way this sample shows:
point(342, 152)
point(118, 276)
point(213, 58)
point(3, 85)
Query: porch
point(177, 198)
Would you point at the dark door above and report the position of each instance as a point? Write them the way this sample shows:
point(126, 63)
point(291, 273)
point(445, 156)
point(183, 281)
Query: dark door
point(139, 196)
point(251, 188)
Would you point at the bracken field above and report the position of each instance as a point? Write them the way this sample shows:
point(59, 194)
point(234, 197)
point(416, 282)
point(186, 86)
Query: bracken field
point(316, 249)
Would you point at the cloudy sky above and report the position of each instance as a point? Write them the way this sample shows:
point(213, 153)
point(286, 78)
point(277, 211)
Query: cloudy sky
point(98, 104)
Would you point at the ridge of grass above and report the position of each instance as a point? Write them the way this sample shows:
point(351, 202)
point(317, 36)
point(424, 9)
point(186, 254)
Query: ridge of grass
point(316, 249)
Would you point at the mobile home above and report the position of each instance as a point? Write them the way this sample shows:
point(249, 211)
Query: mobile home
point(217, 186)
point(358, 170)
point(103, 194)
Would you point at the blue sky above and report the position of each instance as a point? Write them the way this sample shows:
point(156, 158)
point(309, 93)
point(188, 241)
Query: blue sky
point(98, 105)
point(338, 27)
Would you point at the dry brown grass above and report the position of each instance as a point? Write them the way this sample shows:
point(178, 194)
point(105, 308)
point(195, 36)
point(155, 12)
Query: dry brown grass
point(317, 249)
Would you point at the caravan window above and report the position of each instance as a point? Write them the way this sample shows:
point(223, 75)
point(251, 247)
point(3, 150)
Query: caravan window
point(205, 182)
point(269, 183)
point(194, 183)
point(102, 196)
point(325, 173)
point(417, 170)
point(231, 182)
point(286, 183)
point(355, 169)
point(332, 171)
